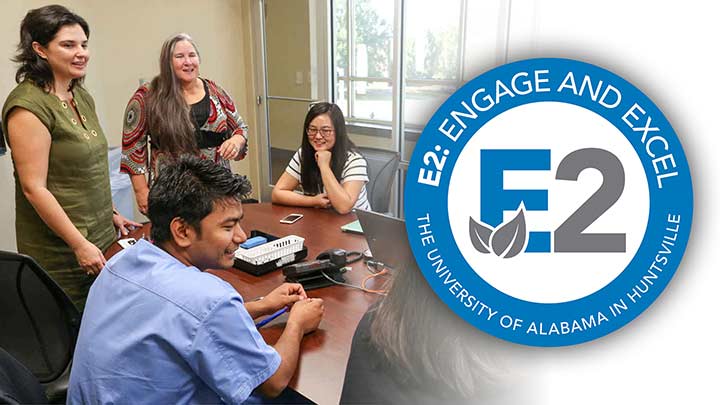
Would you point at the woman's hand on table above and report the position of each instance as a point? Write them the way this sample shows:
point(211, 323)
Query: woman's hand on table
point(321, 201)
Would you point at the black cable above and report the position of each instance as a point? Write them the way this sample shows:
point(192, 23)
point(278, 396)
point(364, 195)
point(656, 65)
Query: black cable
point(353, 256)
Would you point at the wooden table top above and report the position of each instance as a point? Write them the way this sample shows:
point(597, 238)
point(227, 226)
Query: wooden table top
point(325, 352)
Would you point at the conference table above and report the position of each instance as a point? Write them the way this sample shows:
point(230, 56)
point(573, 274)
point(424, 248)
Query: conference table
point(325, 352)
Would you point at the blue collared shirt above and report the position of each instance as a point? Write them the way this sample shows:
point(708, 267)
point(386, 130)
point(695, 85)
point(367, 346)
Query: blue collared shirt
point(157, 331)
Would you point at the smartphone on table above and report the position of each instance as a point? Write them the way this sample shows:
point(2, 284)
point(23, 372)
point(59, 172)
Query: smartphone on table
point(291, 218)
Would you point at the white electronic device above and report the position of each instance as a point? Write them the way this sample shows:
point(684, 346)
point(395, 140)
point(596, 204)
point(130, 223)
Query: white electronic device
point(127, 242)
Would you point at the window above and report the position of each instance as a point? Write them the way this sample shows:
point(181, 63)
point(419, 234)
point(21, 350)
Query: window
point(391, 64)
point(432, 57)
point(442, 46)
point(363, 59)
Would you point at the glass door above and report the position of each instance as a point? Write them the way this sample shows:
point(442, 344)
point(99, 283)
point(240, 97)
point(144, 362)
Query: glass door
point(294, 49)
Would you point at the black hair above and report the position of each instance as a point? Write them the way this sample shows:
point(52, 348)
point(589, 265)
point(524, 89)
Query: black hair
point(188, 188)
point(310, 178)
point(41, 25)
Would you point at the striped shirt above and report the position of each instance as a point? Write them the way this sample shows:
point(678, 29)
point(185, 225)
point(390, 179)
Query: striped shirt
point(355, 170)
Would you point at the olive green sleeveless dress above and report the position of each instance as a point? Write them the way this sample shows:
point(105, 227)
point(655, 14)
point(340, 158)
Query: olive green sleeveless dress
point(77, 176)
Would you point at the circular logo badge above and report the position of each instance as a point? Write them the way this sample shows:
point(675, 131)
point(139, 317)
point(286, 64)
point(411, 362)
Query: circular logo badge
point(548, 202)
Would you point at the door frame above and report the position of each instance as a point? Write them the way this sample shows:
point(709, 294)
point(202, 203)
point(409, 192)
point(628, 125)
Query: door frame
point(322, 73)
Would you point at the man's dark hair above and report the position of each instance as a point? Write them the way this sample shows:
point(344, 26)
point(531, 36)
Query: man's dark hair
point(188, 188)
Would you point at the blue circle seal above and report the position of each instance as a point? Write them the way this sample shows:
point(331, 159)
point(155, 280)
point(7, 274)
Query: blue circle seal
point(505, 226)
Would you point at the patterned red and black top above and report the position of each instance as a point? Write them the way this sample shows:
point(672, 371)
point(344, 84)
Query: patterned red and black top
point(223, 117)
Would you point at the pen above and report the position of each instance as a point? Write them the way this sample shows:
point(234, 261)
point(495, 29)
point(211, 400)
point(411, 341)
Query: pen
point(271, 317)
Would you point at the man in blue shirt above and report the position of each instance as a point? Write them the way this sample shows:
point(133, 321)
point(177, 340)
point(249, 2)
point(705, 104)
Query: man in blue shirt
point(157, 329)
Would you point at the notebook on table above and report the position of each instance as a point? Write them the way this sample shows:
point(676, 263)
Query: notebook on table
point(352, 227)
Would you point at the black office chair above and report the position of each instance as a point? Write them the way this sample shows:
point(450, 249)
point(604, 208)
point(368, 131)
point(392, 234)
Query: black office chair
point(39, 323)
point(381, 166)
point(17, 384)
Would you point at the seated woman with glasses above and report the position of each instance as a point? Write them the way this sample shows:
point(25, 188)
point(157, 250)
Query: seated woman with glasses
point(327, 166)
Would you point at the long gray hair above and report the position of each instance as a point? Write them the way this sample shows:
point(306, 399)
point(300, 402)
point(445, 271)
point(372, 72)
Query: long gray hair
point(168, 114)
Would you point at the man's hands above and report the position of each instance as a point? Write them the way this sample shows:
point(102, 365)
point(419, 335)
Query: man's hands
point(307, 314)
point(305, 317)
point(284, 296)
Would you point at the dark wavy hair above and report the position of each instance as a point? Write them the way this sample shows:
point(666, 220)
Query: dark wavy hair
point(189, 187)
point(41, 25)
point(310, 178)
point(168, 114)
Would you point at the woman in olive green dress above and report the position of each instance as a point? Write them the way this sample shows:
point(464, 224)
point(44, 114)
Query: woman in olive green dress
point(64, 211)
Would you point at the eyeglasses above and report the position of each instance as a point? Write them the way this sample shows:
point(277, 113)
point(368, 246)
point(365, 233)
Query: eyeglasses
point(324, 131)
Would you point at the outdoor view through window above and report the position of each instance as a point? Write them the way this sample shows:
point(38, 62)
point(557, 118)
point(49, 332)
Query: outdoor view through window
point(442, 47)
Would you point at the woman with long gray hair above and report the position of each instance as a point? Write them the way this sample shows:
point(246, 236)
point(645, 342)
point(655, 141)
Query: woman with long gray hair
point(177, 113)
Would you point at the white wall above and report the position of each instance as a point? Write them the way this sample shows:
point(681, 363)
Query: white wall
point(668, 50)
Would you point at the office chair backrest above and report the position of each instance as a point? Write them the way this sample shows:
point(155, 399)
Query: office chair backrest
point(39, 323)
point(17, 384)
point(381, 165)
